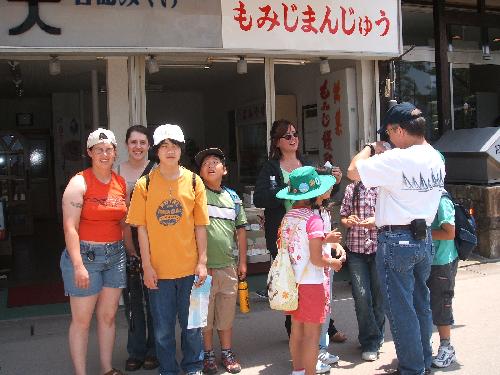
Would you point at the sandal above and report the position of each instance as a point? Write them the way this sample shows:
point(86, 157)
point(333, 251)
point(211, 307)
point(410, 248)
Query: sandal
point(133, 364)
point(114, 371)
point(150, 363)
point(338, 337)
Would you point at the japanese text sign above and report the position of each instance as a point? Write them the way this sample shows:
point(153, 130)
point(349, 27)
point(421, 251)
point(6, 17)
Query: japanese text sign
point(363, 26)
point(337, 116)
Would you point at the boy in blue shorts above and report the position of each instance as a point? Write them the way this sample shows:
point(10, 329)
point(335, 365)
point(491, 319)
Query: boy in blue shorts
point(227, 218)
point(441, 281)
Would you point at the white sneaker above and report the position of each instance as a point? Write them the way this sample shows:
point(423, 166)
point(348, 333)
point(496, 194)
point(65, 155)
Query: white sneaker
point(322, 368)
point(327, 358)
point(445, 357)
point(369, 356)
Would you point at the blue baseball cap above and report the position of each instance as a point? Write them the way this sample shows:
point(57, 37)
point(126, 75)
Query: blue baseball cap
point(399, 113)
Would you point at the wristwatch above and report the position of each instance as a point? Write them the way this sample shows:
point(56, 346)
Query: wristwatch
point(372, 148)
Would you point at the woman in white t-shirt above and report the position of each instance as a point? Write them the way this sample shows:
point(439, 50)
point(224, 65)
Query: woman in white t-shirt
point(141, 342)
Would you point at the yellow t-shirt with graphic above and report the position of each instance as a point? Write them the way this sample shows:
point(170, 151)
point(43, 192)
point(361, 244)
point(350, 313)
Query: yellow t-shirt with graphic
point(170, 210)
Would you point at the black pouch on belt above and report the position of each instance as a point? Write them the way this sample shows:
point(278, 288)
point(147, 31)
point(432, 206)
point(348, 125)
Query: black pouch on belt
point(418, 229)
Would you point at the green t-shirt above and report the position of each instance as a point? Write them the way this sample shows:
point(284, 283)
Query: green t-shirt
point(222, 227)
point(446, 251)
point(286, 177)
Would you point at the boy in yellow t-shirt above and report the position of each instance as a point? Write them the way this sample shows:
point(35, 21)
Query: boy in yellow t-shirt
point(169, 208)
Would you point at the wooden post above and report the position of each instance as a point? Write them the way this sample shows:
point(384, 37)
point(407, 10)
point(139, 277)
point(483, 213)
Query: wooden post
point(442, 68)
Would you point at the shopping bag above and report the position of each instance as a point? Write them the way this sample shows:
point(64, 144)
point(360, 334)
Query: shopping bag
point(281, 284)
point(198, 304)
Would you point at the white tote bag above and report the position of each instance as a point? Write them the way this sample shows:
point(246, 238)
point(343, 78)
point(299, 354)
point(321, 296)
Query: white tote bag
point(281, 284)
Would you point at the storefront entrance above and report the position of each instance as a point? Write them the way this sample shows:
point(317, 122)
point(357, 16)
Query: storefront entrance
point(46, 109)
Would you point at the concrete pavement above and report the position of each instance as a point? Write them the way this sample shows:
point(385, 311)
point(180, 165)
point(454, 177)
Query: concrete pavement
point(260, 340)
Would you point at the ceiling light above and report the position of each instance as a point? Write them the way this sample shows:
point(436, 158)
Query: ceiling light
point(185, 65)
point(290, 62)
point(241, 66)
point(54, 66)
point(486, 52)
point(152, 65)
point(324, 66)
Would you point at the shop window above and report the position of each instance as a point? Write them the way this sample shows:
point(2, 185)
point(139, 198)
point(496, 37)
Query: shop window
point(464, 37)
point(476, 98)
point(416, 83)
point(494, 39)
point(418, 27)
point(464, 102)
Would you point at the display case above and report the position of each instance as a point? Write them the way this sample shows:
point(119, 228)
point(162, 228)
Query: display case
point(14, 183)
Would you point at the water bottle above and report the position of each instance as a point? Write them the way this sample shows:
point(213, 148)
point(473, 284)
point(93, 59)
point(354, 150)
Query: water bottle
point(272, 181)
point(243, 293)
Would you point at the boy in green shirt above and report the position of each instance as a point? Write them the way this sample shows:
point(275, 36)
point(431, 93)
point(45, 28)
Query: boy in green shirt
point(227, 219)
point(441, 281)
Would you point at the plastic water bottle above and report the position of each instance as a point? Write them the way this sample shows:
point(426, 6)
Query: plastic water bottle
point(243, 294)
point(272, 182)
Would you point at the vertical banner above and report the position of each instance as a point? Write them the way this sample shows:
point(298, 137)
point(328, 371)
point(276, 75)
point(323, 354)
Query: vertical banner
point(337, 116)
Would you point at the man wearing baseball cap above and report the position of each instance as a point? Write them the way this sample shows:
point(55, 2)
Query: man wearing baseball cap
point(169, 208)
point(410, 178)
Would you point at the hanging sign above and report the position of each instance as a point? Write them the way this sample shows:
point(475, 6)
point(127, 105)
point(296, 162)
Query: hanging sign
point(361, 26)
point(337, 117)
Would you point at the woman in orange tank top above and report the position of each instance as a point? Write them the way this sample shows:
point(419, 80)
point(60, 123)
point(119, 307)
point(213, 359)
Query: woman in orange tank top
point(93, 263)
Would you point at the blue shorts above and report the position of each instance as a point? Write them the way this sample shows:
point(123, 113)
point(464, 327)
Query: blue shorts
point(105, 263)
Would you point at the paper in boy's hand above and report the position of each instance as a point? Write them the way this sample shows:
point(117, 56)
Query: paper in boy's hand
point(198, 304)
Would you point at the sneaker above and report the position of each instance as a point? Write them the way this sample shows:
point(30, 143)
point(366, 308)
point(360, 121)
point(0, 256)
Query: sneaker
point(445, 357)
point(209, 364)
point(195, 373)
point(262, 293)
point(230, 363)
point(322, 368)
point(327, 358)
point(369, 356)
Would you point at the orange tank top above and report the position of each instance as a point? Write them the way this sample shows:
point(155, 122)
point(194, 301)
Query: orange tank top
point(103, 208)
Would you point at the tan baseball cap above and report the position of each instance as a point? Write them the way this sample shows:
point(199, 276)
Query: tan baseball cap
point(101, 136)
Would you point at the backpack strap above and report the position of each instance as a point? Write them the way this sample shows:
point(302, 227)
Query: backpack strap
point(145, 172)
point(236, 199)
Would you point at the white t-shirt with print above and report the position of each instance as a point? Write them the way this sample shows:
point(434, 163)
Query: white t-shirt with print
point(410, 183)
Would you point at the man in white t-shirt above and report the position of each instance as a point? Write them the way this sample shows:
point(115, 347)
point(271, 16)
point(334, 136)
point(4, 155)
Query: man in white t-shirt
point(410, 178)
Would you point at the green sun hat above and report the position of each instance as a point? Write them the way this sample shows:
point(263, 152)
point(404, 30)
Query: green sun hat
point(305, 183)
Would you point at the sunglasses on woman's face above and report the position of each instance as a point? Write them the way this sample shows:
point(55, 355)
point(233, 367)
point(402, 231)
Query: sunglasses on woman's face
point(289, 136)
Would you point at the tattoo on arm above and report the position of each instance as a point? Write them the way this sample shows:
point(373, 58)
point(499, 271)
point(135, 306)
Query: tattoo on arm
point(76, 204)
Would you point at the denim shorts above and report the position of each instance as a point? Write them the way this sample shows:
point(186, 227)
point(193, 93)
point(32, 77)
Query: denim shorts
point(105, 263)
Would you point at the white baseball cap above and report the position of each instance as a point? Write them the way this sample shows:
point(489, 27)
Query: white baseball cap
point(168, 131)
point(101, 136)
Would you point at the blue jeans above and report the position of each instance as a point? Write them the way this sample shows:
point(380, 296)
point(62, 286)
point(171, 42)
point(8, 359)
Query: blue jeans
point(368, 300)
point(168, 303)
point(404, 265)
point(141, 338)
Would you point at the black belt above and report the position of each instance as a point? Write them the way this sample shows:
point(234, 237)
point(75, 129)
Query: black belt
point(390, 228)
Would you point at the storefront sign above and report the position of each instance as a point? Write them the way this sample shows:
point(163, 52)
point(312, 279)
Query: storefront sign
point(319, 25)
point(110, 23)
point(337, 117)
point(33, 18)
